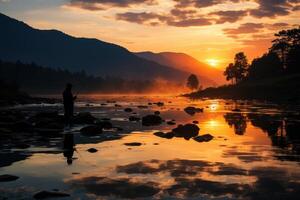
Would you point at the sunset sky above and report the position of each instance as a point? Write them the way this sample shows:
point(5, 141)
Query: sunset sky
point(210, 30)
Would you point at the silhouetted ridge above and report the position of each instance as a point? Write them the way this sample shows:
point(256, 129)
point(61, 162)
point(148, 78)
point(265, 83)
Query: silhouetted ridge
point(52, 48)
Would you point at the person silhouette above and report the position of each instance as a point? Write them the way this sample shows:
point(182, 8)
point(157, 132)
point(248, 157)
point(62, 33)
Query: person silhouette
point(68, 100)
point(69, 147)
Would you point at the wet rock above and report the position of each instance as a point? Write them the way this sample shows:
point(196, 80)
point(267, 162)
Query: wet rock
point(8, 178)
point(151, 120)
point(142, 107)
point(171, 123)
point(236, 110)
point(92, 150)
point(111, 101)
point(193, 110)
point(50, 194)
point(203, 138)
point(105, 124)
point(156, 113)
point(91, 130)
point(149, 103)
point(160, 104)
point(128, 110)
point(133, 144)
point(168, 135)
point(195, 122)
point(187, 131)
point(49, 124)
point(134, 119)
point(118, 106)
point(84, 118)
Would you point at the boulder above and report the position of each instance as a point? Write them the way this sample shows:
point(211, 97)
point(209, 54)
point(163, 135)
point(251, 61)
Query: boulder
point(84, 118)
point(50, 194)
point(187, 131)
point(168, 135)
point(203, 138)
point(91, 130)
point(192, 110)
point(151, 120)
point(8, 178)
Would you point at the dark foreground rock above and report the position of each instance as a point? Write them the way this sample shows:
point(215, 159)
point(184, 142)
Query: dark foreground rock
point(92, 150)
point(203, 138)
point(8, 178)
point(50, 194)
point(134, 119)
point(133, 144)
point(193, 110)
point(168, 135)
point(151, 120)
point(128, 110)
point(187, 131)
point(91, 130)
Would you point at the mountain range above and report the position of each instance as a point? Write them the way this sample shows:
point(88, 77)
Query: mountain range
point(55, 49)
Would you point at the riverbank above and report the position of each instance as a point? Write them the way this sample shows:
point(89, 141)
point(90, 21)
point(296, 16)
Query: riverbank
point(283, 89)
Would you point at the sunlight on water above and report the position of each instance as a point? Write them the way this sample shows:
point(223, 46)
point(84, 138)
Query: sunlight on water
point(250, 152)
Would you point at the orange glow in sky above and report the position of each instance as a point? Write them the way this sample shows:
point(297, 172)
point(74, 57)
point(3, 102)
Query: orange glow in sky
point(211, 31)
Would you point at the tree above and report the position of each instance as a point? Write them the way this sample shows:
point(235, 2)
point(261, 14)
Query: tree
point(193, 82)
point(237, 71)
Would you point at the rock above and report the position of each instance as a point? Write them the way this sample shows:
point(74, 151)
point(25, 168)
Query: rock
point(168, 135)
point(84, 118)
point(142, 107)
point(151, 120)
point(111, 101)
point(105, 119)
point(149, 103)
point(133, 144)
point(118, 106)
point(105, 124)
point(171, 123)
point(92, 150)
point(192, 110)
point(52, 114)
point(22, 126)
point(156, 113)
point(187, 131)
point(128, 110)
point(203, 138)
point(195, 122)
point(8, 178)
point(91, 130)
point(236, 110)
point(134, 119)
point(50, 194)
point(160, 104)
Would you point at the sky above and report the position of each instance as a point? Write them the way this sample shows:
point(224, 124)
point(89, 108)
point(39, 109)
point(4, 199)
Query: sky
point(210, 30)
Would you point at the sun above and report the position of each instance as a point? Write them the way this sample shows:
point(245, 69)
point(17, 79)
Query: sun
point(212, 62)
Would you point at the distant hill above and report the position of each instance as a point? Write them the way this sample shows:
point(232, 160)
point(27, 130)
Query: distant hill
point(55, 49)
point(185, 62)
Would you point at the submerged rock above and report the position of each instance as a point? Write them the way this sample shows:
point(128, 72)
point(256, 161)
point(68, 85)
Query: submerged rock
point(187, 131)
point(8, 178)
point(151, 120)
point(203, 138)
point(91, 130)
point(84, 118)
point(128, 110)
point(133, 144)
point(134, 119)
point(193, 110)
point(92, 150)
point(168, 135)
point(50, 194)
point(171, 123)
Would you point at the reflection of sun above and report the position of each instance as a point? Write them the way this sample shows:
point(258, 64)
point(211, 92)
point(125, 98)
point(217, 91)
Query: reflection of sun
point(213, 106)
point(212, 62)
point(213, 123)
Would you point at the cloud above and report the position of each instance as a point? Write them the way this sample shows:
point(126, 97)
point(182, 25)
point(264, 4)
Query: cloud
point(105, 4)
point(149, 18)
point(229, 16)
point(200, 3)
point(273, 8)
point(200, 21)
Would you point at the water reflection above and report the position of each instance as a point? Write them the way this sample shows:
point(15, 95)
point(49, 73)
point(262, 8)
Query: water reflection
point(68, 147)
point(238, 121)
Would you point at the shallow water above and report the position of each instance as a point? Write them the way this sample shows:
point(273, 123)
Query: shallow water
point(255, 153)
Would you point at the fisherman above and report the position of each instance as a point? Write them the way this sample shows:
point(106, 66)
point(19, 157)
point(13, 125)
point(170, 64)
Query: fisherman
point(68, 104)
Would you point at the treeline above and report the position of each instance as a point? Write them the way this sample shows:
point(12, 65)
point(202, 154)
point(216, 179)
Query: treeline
point(41, 80)
point(273, 76)
point(282, 59)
